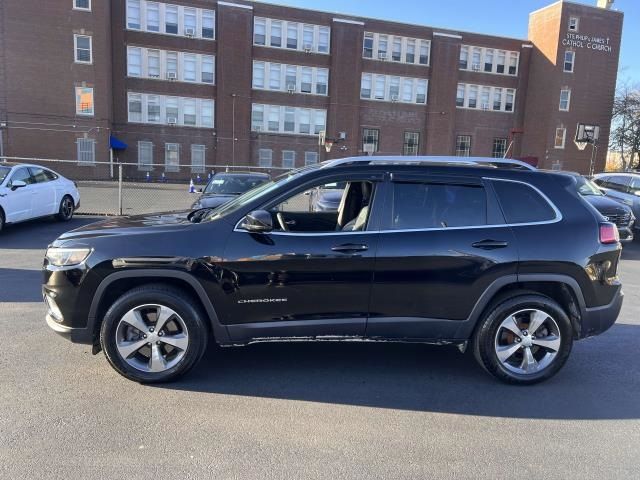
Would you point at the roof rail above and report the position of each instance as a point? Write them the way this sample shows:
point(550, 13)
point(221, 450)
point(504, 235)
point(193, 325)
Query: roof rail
point(406, 160)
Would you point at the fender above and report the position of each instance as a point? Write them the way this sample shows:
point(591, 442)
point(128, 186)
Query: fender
point(220, 332)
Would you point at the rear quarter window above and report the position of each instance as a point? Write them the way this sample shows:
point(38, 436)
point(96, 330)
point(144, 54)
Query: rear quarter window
point(522, 203)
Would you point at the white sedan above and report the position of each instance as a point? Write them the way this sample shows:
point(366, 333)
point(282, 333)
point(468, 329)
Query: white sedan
point(32, 191)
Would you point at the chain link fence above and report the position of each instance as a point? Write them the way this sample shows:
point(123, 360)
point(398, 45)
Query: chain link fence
point(113, 188)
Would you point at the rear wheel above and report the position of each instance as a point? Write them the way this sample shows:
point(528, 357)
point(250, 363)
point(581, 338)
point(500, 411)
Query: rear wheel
point(66, 210)
point(524, 340)
point(153, 334)
point(1, 220)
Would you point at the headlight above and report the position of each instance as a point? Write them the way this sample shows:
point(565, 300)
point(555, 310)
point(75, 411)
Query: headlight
point(65, 257)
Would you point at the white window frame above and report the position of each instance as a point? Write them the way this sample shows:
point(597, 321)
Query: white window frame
point(573, 61)
point(467, 153)
point(170, 148)
point(317, 119)
point(562, 91)
point(574, 24)
point(93, 102)
point(86, 146)
point(503, 92)
point(564, 138)
point(469, 51)
point(164, 55)
point(142, 147)
point(265, 157)
point(75, 49)
point(201, 104)
point(391, 42)
point(281, 72)
point(381, 88)
point(162, 18)
point(82, 9)
point(311, 158)
point(316, 46)
point(199, 167)
point(289, 162)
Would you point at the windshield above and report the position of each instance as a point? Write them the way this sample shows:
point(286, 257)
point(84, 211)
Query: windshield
point(587, 187)
point(4, 171)
point(260, 191)
point(232, 184)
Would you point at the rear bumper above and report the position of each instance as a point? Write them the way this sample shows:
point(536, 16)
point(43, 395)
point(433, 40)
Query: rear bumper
point(599, 319)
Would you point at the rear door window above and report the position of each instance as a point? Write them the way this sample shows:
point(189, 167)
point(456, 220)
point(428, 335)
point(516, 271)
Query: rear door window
point(634, 188)
point(436, 205)
point(38, 175)
point(618, 182)
point(521, 203)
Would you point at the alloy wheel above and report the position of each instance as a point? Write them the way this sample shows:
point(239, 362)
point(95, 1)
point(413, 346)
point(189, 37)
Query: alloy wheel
point(527, 341)
point(152, 338)
point(67, 207)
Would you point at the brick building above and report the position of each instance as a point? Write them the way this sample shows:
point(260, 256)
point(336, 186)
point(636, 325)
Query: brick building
point(195, 82)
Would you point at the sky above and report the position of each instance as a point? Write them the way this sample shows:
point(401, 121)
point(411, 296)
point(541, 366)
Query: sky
point(507, 18)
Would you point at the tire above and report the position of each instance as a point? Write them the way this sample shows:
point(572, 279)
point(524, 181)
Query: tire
point(155, 356)
point(1, 220)
point(66, 209)
point(510, 352)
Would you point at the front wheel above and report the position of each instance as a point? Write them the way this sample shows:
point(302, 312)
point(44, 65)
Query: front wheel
point(153, 334)
point(524, 340)
point(66, 209)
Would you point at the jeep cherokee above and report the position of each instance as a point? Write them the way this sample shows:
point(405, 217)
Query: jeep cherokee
point(481, 253)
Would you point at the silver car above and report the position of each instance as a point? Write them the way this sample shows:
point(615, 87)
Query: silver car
point(623, 187)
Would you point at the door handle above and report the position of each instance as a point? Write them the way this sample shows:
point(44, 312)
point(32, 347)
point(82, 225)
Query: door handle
point(350, 247)
point(490, 244)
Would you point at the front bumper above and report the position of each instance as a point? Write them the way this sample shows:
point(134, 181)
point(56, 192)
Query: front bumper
point(599, 319)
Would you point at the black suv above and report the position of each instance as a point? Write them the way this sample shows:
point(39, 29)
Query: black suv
point(484, 253)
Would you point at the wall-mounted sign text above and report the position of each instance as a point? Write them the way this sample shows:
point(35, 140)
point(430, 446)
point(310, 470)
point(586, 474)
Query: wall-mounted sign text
point(587, 41)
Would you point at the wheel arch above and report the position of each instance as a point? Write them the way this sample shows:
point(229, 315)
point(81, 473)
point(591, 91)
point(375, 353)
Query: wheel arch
point(115, 284)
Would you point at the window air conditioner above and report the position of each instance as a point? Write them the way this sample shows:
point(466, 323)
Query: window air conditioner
point(485, 106)
point(394, 98)
point(307, 48)
point(475, 67)
point(189, 32)
point(291, 88)
point(257, 128)
point(382, 55)
point(172, 75)
point(172, 121)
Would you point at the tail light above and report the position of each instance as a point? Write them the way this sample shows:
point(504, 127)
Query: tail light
point(609, 233)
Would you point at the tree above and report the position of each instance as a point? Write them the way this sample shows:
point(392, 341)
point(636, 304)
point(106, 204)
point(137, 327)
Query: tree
point(625, 126)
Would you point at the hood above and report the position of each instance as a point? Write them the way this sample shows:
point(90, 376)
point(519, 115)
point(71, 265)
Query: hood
point(606, 205)
point(134, 225)
point(212, 200)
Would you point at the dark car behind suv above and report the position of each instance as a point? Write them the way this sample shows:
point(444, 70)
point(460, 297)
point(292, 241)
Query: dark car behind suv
point(509, 261)
point(226, 186)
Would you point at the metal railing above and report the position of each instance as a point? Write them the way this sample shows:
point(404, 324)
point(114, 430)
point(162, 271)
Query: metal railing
point(120, 188)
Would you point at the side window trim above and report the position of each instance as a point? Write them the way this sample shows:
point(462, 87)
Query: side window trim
point(557, 212)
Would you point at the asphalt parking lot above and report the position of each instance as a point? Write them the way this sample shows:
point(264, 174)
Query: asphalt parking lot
point(298, 411)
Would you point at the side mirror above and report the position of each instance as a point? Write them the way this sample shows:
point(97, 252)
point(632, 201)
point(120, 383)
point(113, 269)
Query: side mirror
point(17, 184)
point(200, 190)
point(258, 221)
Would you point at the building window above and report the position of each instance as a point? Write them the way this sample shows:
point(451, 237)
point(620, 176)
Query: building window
point(172, 66)
point(561, 135)
point(82, 5)
point(315, 38)
point(145, 156)
point(488, 60)
point(153, 17)
point(491, 98)
point(463, 145)
point(569, 59)
point(394, 89)
point(310, 158)
point(411, 143)
point(574, 22)
point(162, 109)
point(565, 100)
point(283, 119)
point(367, 51)
point(86, 151)
point(170, 19)
point(82, 47)
point(288, 159)
point(198, 158)
point(84, 101)
point(171, 157)
point(265, 157)
point(370, 140)
point(133, 14)
point(499, 149)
